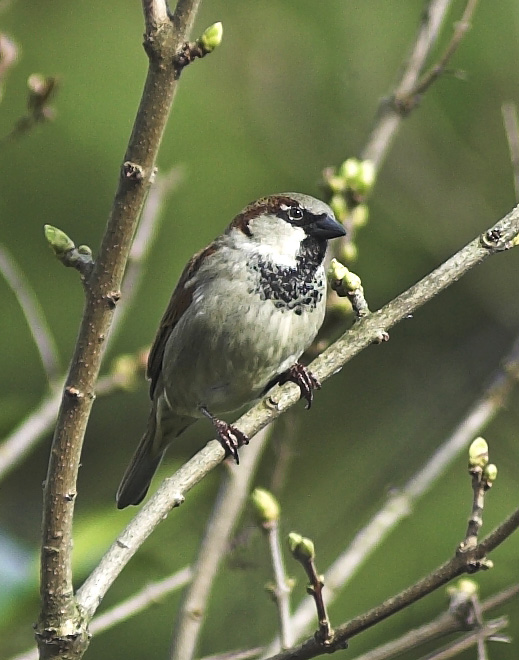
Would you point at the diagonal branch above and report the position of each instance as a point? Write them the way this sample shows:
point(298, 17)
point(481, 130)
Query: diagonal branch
point(33, 313)
point(401, 504)
point(392, 111)
point(172, 491)
point(458, 565)
point(229, 504)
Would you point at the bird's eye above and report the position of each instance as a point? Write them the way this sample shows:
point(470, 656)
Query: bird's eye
point(294, 213)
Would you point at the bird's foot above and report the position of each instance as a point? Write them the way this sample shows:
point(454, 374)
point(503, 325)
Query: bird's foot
point(304, 379)
point(230, 437)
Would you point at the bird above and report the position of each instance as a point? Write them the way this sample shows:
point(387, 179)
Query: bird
point(244, 310)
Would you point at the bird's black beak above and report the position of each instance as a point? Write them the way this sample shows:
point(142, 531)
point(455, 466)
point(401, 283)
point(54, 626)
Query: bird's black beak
point(325, 226)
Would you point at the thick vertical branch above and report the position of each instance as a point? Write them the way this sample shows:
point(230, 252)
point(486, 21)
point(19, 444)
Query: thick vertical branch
point(60, 630)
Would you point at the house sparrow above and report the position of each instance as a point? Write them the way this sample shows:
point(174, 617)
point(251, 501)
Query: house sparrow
point(244, 310)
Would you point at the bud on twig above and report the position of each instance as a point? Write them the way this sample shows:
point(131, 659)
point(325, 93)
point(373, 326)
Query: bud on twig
point(265, 505)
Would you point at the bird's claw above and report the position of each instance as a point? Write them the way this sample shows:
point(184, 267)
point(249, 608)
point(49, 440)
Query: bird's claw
point(304, 379)
point(230, 437)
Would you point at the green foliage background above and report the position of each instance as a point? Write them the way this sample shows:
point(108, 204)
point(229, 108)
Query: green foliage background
point(293, 89)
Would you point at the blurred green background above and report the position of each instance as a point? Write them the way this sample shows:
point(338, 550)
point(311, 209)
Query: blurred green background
point(293, 88)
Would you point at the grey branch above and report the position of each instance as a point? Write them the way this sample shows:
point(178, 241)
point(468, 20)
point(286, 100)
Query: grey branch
point(388, 118)
point(231, 498)
point(172, 491)
point(61, 627)
point(34, 315)
point(444, 624)
point(281, 589)
point(400, 505)
point(456, 566)
point(24, 438)
point(511, 124)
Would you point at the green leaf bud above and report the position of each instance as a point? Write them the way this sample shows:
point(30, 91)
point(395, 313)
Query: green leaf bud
point(336, 183)
point(349, 170)
point(266, 507)
point(211, 37)
point(58, 240)
point(478, 453)
point(301, 548)
point(490, 472)
point(365, 177)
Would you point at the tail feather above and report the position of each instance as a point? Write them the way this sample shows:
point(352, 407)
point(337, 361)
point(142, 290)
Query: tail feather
point(137, 478)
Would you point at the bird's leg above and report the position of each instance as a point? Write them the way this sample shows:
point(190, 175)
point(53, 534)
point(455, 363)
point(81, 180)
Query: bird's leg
point(303, 378)
point(230, 437)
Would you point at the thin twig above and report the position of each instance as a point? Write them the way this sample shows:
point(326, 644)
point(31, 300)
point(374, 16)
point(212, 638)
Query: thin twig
point(511, 124)
point(151, 593)
point(172, 491)
point(21, 441)
point(477, 637)
point(455, 567)
point(281, 589)
point(445, 624)
point(140, 601)
point(400, 505)
point(303, 551)
point(481, 483)
point(412, 97)
point(229, 504)
point(33, 312)
point(388, 118)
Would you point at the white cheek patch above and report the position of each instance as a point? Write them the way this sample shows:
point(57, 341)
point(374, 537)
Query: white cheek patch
point(279, 243)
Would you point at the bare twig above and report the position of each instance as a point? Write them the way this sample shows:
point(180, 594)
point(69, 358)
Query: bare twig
point(303, 551)
point(33, 312)
point(151, 593)
point(140, 601)
point(61, 627)
point(347, 199)
point(20, 442)
point(511, 124)
point(267, 511)
point(171, 493)
point(445, 624)
point(477, 637)
point(483, 475)
point(8, 57)
point(401, 504)
point(233, 493)
point(458, 565)
point(388, 117)
point(407, 101)
point(281, 589)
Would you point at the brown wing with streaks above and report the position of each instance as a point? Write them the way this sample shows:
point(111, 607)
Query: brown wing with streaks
point(179, 302)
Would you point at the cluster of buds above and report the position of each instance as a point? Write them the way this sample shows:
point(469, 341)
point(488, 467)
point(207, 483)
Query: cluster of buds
point(479, 465)
point(349, 185)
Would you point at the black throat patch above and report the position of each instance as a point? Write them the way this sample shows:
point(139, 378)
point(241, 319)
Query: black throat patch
point(298, 288)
